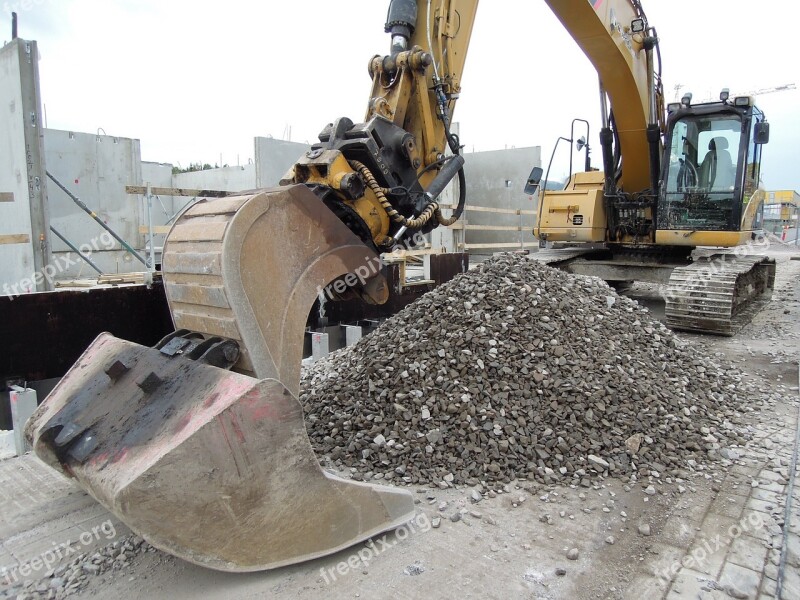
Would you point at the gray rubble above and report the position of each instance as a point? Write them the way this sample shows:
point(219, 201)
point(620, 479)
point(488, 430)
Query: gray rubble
point(73, 576)
point(518, 370)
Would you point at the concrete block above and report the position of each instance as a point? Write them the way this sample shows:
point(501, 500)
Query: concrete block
point(749, 552)
point(23, 403)
point(352, 334)
point(7, 446)
point(693, 584)
point(742, 579)
point(320, 346)
point(729, 505)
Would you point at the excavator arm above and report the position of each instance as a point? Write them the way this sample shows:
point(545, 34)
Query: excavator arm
point(382, 176)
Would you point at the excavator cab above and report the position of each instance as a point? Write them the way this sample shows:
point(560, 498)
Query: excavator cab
point(712, 162)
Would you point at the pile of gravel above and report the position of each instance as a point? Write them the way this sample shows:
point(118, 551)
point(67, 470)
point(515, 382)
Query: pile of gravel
point(518, 370)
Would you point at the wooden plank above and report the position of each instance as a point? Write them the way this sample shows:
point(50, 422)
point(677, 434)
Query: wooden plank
point(119, 278)
point(6, 196)
point(495, 227)
point(499, 245)
point(15, 238)
point(219, 207)
point(157, 229)
point(141, 190)
point(489, 209)
point(200, 231)
point(402, 254)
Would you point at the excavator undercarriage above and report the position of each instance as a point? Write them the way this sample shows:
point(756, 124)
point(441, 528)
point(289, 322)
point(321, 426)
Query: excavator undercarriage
point(717, 294)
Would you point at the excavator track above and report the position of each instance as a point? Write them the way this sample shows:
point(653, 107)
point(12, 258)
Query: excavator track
point(559, 257)
point(213, 465)
point(719, 294)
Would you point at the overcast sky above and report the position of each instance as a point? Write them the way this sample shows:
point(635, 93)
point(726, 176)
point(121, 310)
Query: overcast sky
point(197, 80)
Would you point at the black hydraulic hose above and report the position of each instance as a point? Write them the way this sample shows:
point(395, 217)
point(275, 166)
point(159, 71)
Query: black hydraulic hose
point(653, 139)
point(609, 172)
point(609, 165)
point(462, 195)
point(92, 214)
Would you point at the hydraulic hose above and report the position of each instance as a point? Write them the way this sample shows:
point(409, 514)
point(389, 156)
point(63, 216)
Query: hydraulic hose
point(432, 209)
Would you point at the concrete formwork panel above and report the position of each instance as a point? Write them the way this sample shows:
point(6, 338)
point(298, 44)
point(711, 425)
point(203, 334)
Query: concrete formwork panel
point(496, 179)
point(274, 158)
point(95, 168)
point(24, 249)
point(229, 179)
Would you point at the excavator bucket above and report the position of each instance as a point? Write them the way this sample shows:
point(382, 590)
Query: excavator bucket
point(213, 465)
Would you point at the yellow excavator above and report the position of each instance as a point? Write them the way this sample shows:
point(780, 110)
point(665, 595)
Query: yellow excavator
point(643, 215)
point(199, 444)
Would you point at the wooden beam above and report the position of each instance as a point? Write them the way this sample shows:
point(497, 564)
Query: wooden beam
point(157, 229)
point(489, 209)
point(401, 254)
point(500, 245)
point(6, 196)
point(15, 238)
point(141, 190)
point(492, 227)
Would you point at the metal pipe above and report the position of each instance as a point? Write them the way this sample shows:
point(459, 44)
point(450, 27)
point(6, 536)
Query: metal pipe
point(85, 258)
point(94, 216)
point(587, 160)
point(603, 106)
point(150, 227)
point(787, 513)
point(651, 87)
point(14, 26)
point(400, 233)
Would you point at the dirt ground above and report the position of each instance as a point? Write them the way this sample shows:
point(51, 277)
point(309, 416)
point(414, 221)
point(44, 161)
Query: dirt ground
point(715, 534)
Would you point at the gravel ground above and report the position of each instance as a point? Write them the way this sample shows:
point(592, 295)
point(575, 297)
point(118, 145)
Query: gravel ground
point(575, 535)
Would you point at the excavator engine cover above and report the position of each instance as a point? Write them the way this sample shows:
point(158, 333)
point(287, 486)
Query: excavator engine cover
point(211, 465)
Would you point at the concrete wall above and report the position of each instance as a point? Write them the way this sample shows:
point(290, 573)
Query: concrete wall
point(496, 179)
point(229, 179)
point(95, 168)
point(23, 193)
point(274, 158)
